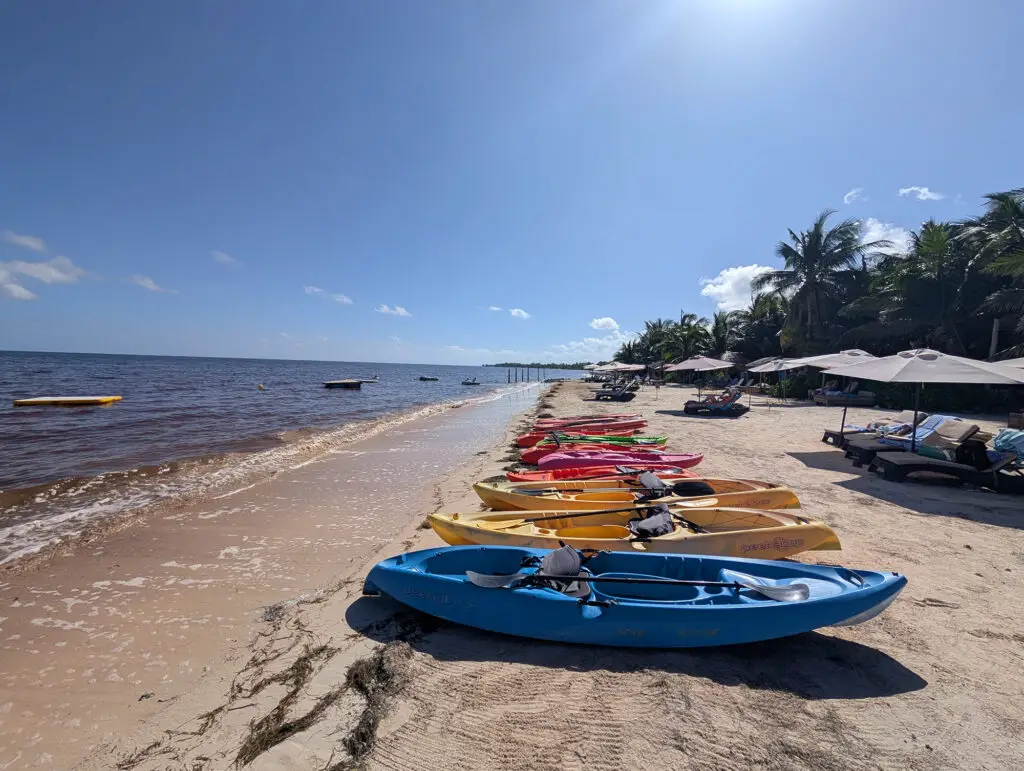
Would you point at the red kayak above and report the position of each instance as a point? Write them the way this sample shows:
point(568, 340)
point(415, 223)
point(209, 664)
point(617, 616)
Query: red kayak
point(530, 439)
point(535, 453)
point(602, 472)
point(615, 425)
point(584, 418)
point(616, 457)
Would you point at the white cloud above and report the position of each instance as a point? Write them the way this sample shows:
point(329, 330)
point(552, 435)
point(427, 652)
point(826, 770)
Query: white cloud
point(873, 230)
point(495, 308)
point(730, 289)
point(519, 313)
point(395, 339)
point(286, 336)
point(17, 291)
point(590, 347)
point(854, 195)
point(59, 270)
point(337, 297)
point(34, 243)
point(147, 283)
point(473, 351)
point(324, 339)
point(9, 287)
point(221, 257)
point(921, 193)
point(398, 310)
point(605, 322)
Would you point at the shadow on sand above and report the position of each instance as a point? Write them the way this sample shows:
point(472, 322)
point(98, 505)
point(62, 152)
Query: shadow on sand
point(936, 498)
point(715, 416)
point(812, 665)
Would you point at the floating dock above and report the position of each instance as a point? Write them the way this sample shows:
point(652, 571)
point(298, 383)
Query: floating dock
point(66, 401)
point(353, 385)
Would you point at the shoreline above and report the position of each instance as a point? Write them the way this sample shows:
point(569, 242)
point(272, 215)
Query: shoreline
point(96, 506)
point(145, 616)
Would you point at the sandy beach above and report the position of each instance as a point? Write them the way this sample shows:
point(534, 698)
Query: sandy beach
point(323, 678)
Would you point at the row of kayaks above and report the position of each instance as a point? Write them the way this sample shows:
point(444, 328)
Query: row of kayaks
point(640, 551)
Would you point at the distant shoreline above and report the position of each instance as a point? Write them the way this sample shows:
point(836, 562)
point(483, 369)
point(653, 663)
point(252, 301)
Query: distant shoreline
point(534, 365)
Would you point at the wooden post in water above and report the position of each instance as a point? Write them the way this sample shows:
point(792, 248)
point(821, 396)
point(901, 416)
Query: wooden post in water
point(508, 372)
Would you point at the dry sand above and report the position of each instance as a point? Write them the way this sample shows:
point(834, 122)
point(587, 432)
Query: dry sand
point(335, 680)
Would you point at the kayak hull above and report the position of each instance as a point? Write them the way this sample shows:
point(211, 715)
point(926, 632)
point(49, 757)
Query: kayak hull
point(590, 458)
point(633, 615)
point(543, 449)
point(533, 437)
point(666, 472)
point(616, 425)
point(545, 496)
point(732, 532)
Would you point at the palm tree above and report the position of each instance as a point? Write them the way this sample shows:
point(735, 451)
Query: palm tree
point(725, 332)
point(759, 325)
point(998, 234)
point(690, 337)
point(813, 258)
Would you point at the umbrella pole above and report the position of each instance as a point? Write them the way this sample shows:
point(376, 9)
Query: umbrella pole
point(913, 433)
point(842, 425)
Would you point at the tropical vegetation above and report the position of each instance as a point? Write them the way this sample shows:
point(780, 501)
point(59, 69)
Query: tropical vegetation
point(957, 287)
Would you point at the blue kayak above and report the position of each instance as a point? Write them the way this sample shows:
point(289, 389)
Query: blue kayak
point(631, 599)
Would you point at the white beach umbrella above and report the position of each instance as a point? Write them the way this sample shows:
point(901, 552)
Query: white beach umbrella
point(589, 366)
point(1011, 362)
point(924, 365)
point(779, 365)
point(699, 364)
point(841, 359)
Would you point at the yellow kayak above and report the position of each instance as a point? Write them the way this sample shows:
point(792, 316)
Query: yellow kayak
point(590, 494)
point(732, 532)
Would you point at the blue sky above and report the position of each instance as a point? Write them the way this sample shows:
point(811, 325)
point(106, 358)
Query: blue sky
point(374, 180)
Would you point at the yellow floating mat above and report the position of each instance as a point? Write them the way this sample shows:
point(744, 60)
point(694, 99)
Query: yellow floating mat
point(65, 401)
point(728, 532)
point(588, 495)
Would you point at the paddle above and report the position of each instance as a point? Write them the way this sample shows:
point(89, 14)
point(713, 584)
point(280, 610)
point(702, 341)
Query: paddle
point(578, 514)
point(790, 593)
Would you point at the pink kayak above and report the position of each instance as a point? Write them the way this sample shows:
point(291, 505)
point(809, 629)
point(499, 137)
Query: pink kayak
point(590, 458)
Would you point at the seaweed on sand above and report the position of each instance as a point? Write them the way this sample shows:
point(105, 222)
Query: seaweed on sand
point(378, 677)
point(274, 727)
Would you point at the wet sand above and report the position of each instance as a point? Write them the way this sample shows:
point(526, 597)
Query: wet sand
point(116, 629)
point(333, 680)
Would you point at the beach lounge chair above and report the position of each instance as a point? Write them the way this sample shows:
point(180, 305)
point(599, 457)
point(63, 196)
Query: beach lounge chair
point(623, 393)
point(895, 424)
point(848, 397)
point(897, 466)
point(727, 405)
point(949, 429)
point(750, 386)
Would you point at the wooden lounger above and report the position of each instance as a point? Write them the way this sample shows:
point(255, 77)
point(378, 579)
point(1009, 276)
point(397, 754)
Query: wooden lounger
point(896, 466)
point(842, 438)
point(864, 450)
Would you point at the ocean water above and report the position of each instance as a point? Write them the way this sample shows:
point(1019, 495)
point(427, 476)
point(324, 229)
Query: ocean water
point(188, 426)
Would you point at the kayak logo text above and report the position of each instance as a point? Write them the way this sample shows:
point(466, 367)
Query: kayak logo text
point(778, 543)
